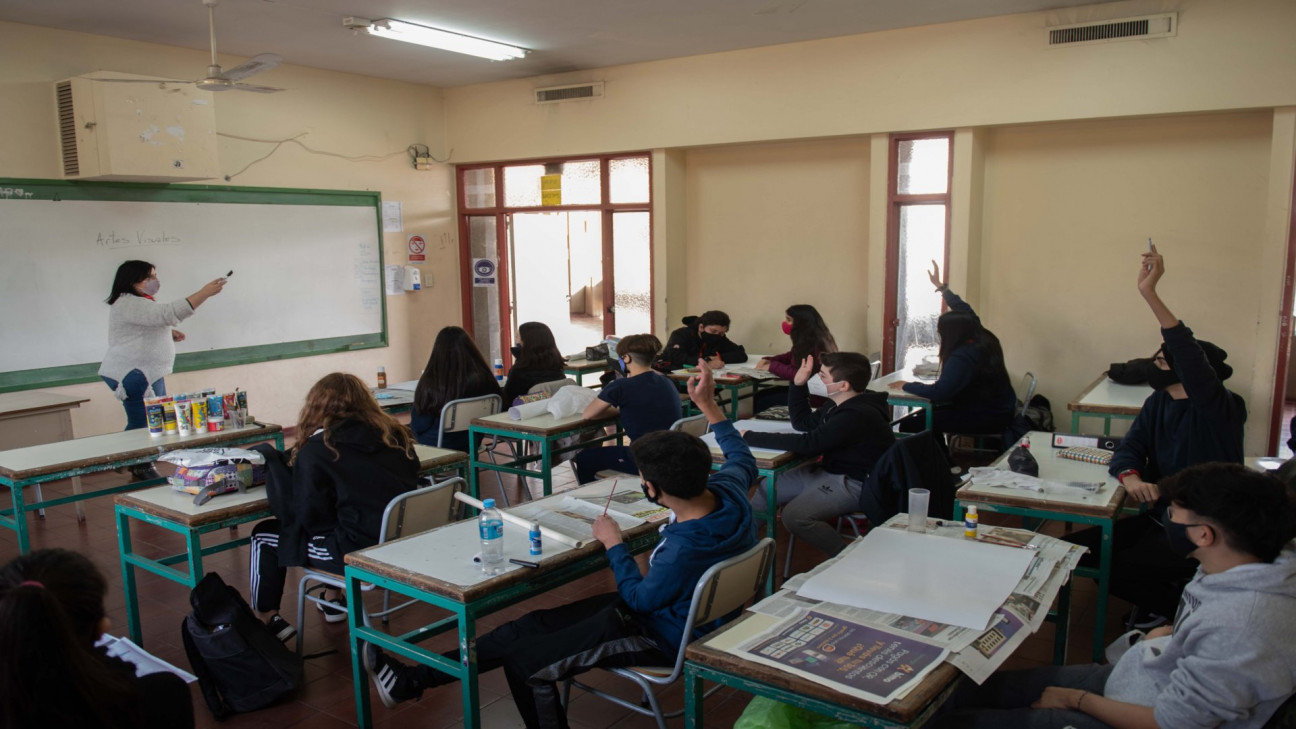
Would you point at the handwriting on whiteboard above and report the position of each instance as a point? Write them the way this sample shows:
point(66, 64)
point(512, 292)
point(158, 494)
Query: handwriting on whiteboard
point(15, 193)
point(113, 239)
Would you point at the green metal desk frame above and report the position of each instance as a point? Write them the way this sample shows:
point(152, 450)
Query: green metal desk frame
point(194, 551)
point(589, 368)
point(1107, 419)
point(518, 467)
point(735, 394)
point(15, 517)
point(463, 618)
point(1102, 574)
point(695, 673)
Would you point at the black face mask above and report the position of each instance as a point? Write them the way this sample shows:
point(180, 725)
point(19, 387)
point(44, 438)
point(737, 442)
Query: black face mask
point(1177, 536)
point(709, 338)
point(516, 351)
point(651, 500)
point(1160, 379)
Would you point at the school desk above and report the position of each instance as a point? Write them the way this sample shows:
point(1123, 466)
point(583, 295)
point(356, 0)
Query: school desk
point(25, 467)
point(175, 511)
point(393, 400)
point(578, 368)
point(436, 567)
point(1069, 505)
point(35, 417)
point(543, 430)
point(704, 662)
point(900, 398)
point(1107, 400)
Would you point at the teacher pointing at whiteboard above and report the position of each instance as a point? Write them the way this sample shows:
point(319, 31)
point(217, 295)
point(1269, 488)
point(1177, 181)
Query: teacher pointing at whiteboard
point(141, 340)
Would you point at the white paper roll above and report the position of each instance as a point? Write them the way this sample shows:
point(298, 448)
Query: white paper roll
point(524, 523)
point(529, 410)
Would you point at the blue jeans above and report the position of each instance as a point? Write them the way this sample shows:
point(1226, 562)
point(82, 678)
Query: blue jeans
point(135, 386)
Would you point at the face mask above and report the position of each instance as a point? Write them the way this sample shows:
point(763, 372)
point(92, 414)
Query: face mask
point(623, 366)
point(1177, 536)
point(1160, 379)
point(516, 351)
point(150, 286)
point(787, 328)
point(709, 338)
point(817, 386)
point(651, 500)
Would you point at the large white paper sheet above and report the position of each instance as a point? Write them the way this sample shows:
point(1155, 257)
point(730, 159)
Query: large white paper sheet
point(953, 581)
point(760, 426)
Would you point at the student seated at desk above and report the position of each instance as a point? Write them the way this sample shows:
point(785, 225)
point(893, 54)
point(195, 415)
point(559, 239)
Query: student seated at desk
point(973, 394)
point(1227, 661)
point(647, 401)
point(810, 338)
point(1191, 418)
point(849, 434)
point(701, 337)
point(536, 360)
point(51, 673)
point(328, 492)
point(642, 622)
point(455, 370)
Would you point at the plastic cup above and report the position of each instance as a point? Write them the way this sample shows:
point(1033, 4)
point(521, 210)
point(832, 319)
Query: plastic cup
point(918, 499)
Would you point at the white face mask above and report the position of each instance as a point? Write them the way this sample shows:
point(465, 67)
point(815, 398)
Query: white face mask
point(150, 286)
point(817, 386)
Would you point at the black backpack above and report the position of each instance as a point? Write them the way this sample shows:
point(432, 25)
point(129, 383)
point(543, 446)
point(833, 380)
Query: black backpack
point(240, 664)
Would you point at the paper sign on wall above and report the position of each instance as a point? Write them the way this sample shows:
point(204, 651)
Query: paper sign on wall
point(483, 271)
point(551, 189)
point(391, 217)
point(417, 249)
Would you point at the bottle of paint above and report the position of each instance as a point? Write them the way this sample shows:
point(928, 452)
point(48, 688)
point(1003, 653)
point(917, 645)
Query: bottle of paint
point(970, 522)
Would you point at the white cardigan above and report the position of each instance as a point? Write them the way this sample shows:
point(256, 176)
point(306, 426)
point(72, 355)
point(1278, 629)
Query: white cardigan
point(139, 338)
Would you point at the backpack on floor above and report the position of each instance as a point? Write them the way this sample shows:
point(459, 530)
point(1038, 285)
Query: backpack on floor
point(240, 664)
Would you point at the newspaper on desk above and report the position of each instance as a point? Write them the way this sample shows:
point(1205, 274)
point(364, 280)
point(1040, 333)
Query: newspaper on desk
point(571, 520)
point(977, 653)
point(987, 479)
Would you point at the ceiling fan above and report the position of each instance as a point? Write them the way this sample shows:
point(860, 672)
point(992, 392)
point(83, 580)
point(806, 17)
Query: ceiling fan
point(218, 79)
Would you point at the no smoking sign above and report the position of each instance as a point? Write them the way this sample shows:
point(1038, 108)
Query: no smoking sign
point(417, 249)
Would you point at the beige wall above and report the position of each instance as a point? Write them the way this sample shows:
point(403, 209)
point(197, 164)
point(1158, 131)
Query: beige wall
point(773, 225)
point(1229, 54)
point(1068, 209)
point(343, 114)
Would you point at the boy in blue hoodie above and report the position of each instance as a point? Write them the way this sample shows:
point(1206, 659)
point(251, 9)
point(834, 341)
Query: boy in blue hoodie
point(642, 623)
point(1228, 660)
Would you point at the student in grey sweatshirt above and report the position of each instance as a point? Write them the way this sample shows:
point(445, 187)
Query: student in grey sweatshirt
point(1228, 660)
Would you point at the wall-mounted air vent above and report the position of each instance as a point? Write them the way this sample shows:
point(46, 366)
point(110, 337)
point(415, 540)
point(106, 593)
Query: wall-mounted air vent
point(1147, 26)
point(67, 130)
point(572, 92)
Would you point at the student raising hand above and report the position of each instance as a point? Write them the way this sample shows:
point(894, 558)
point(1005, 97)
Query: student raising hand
point(1151, 269)
point(803, 374)
point(701, 390)
point(935, 277)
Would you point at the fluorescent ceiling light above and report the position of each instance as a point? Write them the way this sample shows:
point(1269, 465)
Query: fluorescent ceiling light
point(434, 38)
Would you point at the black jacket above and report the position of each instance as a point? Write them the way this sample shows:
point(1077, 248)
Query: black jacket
point(342, 495)
point(915, 462)
point(685, 347)
point(850, 437)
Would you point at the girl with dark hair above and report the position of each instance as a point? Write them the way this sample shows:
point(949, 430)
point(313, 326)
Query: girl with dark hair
point(455, 370)
point(328, 497)
point(51, 673)
point(973, 394)
point(646, 400)
point(141, 340)
point(536, 360)
point(810, 338)
point(702, 337)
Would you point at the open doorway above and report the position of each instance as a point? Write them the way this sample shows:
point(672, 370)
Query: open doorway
point(556, 275)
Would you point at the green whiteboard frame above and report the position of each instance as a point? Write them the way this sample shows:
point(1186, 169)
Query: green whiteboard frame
point(32, 189)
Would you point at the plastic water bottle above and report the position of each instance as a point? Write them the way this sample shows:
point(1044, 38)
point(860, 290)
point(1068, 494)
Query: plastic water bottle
point(498, 367)
point(1021, 461)
point(491, 527)
point(382, 377)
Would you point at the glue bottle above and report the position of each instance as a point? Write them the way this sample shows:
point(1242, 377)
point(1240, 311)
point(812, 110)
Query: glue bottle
point(534, 534)
point(498, 367)
point(970, 520)
point(382, 377)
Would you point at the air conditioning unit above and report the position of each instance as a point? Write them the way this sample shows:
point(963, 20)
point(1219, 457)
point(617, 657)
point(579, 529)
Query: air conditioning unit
point(134, 130)
point(570, 92)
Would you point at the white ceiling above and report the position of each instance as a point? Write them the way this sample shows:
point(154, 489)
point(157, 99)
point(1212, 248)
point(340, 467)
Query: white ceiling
point(562, 35)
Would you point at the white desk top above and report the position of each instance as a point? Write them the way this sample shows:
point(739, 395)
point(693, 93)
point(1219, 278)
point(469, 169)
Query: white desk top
point(882, 383)
point(430, 456)
point(105, 449)
point(13, 403)
point(585, 365)
point(393, 398)
point(1105, 396)
point(543, 424)
point(1055, 468)
point(446, 554)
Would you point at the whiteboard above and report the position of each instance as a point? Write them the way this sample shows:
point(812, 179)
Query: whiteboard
point(307, 272)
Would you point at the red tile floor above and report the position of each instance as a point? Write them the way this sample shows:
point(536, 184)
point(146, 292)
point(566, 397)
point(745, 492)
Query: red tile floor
point(327, 699)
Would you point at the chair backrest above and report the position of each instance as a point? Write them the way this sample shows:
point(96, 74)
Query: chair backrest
point(420, 510)
point(456, 415)
point(1025, 391)
point(874, 368)
point(723, 589)
point(696, 425)
point(549, 388)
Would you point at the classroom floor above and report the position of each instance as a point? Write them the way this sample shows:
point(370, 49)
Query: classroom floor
point(327, 699)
